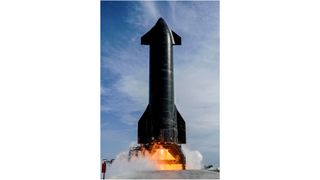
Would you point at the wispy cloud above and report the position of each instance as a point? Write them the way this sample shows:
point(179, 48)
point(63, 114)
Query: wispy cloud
point(151, 9)
point(196, 69)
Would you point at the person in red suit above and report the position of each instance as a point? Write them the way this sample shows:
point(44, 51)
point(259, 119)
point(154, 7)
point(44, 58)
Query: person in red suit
point(103, 169)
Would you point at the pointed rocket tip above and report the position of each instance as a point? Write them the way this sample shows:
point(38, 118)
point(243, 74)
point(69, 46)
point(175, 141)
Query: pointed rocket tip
point(160, 19)
point(161, 22)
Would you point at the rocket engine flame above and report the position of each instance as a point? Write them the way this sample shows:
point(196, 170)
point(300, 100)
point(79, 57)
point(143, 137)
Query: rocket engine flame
point(164, 159)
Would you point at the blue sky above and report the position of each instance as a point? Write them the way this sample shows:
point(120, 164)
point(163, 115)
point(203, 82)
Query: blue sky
point(125, 68)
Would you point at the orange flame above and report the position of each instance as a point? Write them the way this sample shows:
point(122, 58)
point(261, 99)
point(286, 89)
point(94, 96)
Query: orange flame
point(164, 159)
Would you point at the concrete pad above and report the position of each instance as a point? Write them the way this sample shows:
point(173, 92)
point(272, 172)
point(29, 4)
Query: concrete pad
point(184, 174)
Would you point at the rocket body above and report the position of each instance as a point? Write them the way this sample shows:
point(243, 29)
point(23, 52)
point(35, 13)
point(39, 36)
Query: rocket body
point(161, 121)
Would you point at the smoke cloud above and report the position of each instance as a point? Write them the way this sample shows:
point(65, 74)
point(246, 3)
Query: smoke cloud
point(121, 166)
point(193, 158)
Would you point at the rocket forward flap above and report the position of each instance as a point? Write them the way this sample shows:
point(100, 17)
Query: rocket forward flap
point(181, 128)
point(176, 38)
point(146, 38)
point(160, 33)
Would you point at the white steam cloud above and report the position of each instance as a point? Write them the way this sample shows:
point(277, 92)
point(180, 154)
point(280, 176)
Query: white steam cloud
point(193, 158)
point(121, 166)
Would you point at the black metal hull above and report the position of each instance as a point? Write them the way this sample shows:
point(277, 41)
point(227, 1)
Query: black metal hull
point(161, 121)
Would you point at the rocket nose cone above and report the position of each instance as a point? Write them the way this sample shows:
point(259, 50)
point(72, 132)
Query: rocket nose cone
point(161, 22)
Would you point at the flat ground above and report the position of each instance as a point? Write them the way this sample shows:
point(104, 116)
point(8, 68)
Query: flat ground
point(185, 174)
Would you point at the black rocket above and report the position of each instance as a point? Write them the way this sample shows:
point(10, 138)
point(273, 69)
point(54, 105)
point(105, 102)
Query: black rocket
point(161, 122)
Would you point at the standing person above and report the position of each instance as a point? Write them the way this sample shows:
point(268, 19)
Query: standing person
point(103, 169)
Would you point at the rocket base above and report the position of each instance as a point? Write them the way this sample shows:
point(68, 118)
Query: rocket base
point(168, 156)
